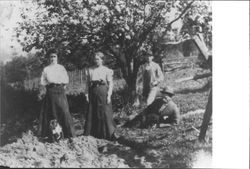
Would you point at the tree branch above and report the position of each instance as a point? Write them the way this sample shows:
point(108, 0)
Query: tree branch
point(183, 12)
point(170, 23)
point(138, 41)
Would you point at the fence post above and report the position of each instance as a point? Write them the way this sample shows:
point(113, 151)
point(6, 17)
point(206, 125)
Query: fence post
point(206, 118)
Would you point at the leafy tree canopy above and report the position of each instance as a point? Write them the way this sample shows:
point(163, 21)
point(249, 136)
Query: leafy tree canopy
point(80, 27)
point(123, 29)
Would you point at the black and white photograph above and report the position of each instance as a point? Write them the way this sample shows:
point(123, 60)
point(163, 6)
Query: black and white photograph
point(107, 84)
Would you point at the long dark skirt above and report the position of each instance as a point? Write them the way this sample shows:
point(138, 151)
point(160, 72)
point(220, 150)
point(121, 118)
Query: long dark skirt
point(55, 106)
point(99, 119)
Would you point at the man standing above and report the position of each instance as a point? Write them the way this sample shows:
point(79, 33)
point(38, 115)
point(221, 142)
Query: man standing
point(151, 76)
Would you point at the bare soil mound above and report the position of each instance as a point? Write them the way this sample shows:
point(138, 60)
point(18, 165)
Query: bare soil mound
point(81, 152)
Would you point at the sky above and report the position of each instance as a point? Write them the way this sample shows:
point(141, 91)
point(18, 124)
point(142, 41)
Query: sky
point(9, 16)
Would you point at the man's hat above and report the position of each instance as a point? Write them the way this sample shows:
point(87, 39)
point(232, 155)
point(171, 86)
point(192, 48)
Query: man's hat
point(167, 90)
point(149, 53)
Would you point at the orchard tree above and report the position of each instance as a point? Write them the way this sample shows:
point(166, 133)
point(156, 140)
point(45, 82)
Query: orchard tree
point(199, 20)
point(123, 29)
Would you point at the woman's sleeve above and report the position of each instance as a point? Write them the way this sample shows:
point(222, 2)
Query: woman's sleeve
point(110, 81)
point(43, 80)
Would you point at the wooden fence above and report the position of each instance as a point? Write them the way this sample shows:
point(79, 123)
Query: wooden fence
point(78, 78)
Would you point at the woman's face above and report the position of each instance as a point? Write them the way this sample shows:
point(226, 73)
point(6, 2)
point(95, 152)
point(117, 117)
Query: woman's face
point(150, 58)
point(98, 60)
point(53, 58)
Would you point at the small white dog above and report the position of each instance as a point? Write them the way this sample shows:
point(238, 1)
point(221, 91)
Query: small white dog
point(56, 130)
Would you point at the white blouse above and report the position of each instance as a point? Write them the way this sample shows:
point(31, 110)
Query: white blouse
point(100, 73)
point(54, 73)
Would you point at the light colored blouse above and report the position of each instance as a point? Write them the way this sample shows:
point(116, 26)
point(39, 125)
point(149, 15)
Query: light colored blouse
point(100, 73)
point(54, 73)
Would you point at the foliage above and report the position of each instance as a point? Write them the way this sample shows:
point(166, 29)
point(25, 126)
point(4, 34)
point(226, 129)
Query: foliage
point(16, 70)
point(124, 30)
point(199, 20)
point(21, 68)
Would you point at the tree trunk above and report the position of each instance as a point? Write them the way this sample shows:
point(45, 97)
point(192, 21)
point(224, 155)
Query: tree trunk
point(131, 90)
point(129, 71)
point(158, 59)
point(131, 83)
point(206, 118)
point(129, 68)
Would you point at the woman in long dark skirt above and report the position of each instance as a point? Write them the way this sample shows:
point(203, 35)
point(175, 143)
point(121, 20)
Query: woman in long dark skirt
point(55, 109)
point(99, 119)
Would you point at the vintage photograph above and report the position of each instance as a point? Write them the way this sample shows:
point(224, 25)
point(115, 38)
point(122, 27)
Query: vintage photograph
point(106, 83)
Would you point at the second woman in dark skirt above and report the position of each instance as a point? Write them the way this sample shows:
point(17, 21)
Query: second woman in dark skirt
point(99, 119)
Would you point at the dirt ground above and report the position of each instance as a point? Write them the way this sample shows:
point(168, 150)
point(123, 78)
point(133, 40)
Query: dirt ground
point(169, 147)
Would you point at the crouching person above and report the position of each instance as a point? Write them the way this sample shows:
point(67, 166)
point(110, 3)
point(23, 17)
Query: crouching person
point(165, 107)
point(160, 112)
